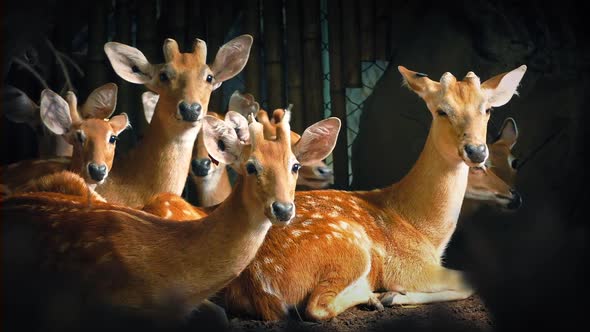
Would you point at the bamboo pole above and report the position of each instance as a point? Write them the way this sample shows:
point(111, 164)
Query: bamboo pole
point(273, 44)
point(337, 94)
point(294, 56)
point(367, 30)
point(252, 70)
point(351, 63)
point(312, 62)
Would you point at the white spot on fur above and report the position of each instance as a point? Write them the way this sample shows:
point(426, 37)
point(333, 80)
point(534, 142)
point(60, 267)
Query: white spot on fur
point(334, 226)
point(343, 224)
point(185, 211)
point(317, 216)
point(338, 199)
point(168, 213)
point(356, 234)
point(268, 260)
point(166, 203)
point(279, 268)
point(337, 235)
point(307, 222)
point(334, 214)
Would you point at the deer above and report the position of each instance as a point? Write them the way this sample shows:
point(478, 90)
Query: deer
point(493, 184)
point(382, 247)
point(90, 132)
point(211, 179)
point(161, 160)
point(120, 257)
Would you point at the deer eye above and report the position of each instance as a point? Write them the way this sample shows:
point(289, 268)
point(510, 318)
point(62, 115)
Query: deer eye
point(251, 168)
point(209, 78)
point(441, 113)
point(514, 163)
point(296, 168)
point(164, 77)
point(113, 139)
point(80, 136)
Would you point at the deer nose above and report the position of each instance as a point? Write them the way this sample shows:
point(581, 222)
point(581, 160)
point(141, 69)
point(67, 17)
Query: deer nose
point(189, 112)
point(283, 211)
point(516, 201)
point(201, 166)
point(476, 153)
point(97, 172)
point(324, 171)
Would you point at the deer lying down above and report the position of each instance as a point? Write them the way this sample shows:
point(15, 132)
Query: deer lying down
point(92, 135)
point(344, 246)
point(134, 262)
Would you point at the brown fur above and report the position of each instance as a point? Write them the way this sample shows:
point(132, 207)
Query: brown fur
point(342, 245)
point(131, 259)
point(160, 163)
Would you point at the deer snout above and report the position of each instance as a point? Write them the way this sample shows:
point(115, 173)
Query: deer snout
point(201, 167)
point(515, 202)
point(323, 171)
point(189, 112)
point(97, 172)
point(476, 153)
point(283, 211)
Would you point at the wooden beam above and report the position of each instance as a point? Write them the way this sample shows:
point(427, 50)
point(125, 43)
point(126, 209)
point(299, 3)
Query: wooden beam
point(351, 63)
point(294, 55)
point(252, 70)
point(367, 30)
point(273, 52)
point(338, 94)
point(312, 63)
point(382, 29)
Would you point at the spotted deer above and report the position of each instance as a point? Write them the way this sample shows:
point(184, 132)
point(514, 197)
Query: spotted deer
point(184, 82)
point(493, 184)
point(87, 128)
point(343, 246)
point(210, 178)
point(131, 260)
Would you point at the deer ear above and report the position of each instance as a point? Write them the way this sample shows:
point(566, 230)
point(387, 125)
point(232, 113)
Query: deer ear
point(243, 103)
point(101, 102)
point(129, 63)
point(501, 88)
point(149, 101)
point(231, 58)
point(221, 141)
point(418, 82)
point(18, 107)
point(240, 125)
point(509, 132)
point(119, 123)
point(55, 112)
point(317, 141)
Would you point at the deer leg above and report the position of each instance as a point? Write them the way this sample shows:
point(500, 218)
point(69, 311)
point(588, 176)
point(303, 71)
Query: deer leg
point(341, 289)
point(439, 285)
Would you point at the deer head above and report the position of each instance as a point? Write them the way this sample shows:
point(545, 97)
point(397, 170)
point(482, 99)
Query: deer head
point(268, 167)
point(94, 139)
point(461, 109)
point(493, 184)
point(184, 81)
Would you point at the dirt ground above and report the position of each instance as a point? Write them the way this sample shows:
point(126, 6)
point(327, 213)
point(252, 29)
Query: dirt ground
point(466, 315)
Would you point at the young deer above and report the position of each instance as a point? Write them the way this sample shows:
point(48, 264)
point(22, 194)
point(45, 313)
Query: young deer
point(493, 184)
point(131, 260)
point(342, 246)
point(161, 161)
point(92, 136)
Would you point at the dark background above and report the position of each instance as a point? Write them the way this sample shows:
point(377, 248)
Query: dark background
point(528, 266)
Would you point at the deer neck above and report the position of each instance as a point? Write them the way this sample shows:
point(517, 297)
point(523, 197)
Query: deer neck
point(160, 162)
point(430, 196)
point(213, 189)
point(233, 234)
